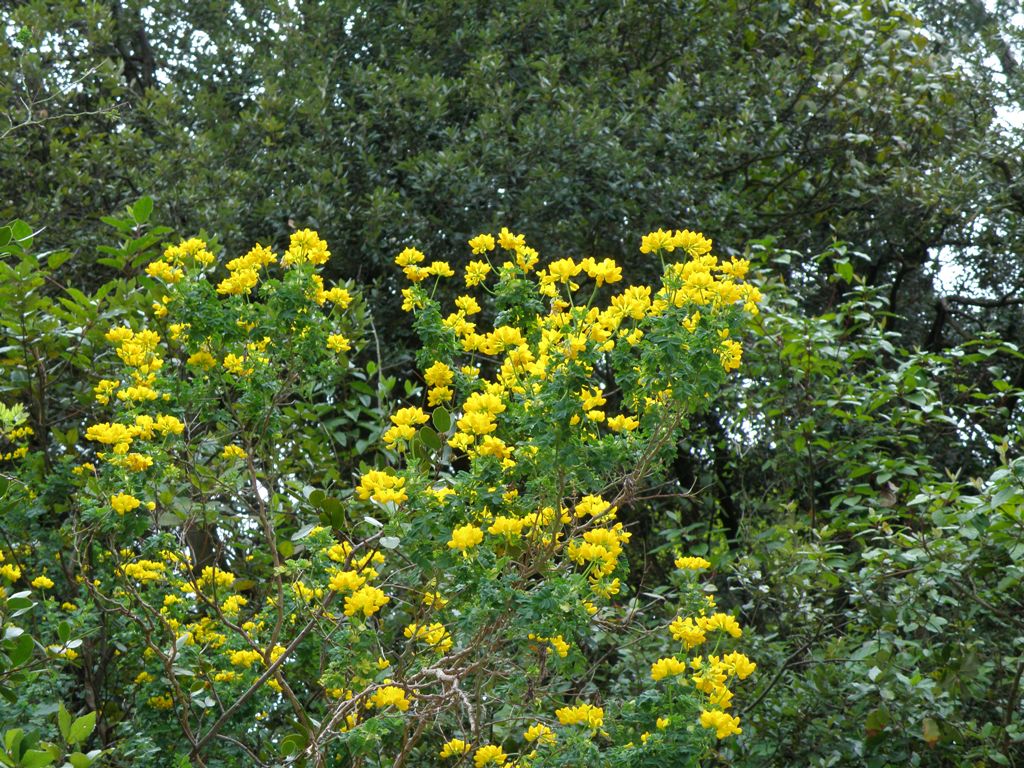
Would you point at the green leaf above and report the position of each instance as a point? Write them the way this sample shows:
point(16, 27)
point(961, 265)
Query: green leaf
point(82, 728)
point(845, 270)
point(121, 224)
point(13, 738)
point(877, 720)
point(430, 438)
point(22, 233)
point(55, 259)
point(5, 236)
point(37, 758)
point(442, 419)
point(78, 760)
point(63, 721)
point(22, 651)
point(142, 209)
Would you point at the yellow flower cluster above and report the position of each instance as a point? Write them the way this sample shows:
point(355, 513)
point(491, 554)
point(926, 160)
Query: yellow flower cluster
point(691, 563)
point(405, 421)
point(454, 748)
point(540, 734)
point(581, 714)
point(13, 435)
point(191, 249)
point(144, 570)
point(233, 452)
point(669, 667)
point(366, 600)
point(306, 247)
point(557, 643)
point(214, 577)
point(382, 487)
point(465, 537)
point(433, 634)
point(489, 754)
point(337, 342)
point(710, 675)
point(123, 503)
point(389, 696)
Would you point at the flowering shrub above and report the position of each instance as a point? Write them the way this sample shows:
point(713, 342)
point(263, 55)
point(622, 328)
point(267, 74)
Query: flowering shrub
point(446, 605)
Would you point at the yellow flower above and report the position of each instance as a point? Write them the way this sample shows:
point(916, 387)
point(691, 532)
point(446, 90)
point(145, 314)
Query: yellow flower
point(438, 375)
point(657, 241)
point(434, 600)
point(339, 297)
point(510, 242)
point(382, 487)
point(467, 304)
point(104, 389)
point(739, 665)
point(440, 268)
point(454, 748)
point(164, 271)
point(245, 658)
point(622, 423)
point(489, 755)
point(668, 667)
point(694, 243)
point(465, 537)
point(389, 696)
point(202, 359)
point(42, 582)
point(10, 572)
point(259, 256)
point(526, 258)
point(232, 605)
point(730, 353)
point(482, 244)
point(124, 502)
point(692, 563)
point(346, 581)
point(686, 631)
point(211, 576)
point(433, 634)
point(117, 435)
point(583, 714)
point(409, 257)
point(723, 622)
point(604, 271)
point(366, 600)
point(235, 364)
point(563, 270)
point(306, 246)
point(338, 343)
point(162, 701)
point(239, 283)
point(540, 733)
point(476, 272)
point(233, 452)
point(722, 723)
point(137, 462)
